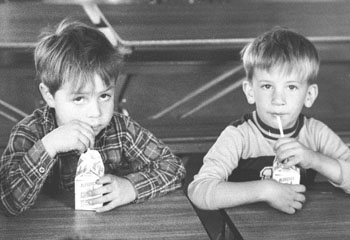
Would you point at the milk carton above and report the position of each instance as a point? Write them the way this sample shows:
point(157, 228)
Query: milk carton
point(289, 175)
point(279, 173)
point(90, 168)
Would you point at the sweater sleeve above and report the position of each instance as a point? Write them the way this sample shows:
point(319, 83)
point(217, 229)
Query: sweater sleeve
point(330, 144)
point(345, 168)
point(218, 164)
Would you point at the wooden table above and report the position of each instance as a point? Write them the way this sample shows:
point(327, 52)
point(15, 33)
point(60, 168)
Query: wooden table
point(325, 215)
point(168, 217)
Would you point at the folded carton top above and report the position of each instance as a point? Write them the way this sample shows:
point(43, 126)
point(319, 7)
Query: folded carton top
point(278, 167)
point(90, 163)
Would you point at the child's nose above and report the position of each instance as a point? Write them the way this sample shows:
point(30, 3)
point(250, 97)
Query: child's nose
point(278, 97)
point(94, 109)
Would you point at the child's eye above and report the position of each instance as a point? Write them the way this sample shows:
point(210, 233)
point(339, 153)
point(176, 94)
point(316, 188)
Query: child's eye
point(79, 100)
point(292, 87)
point(105, 97)
point(266, 86)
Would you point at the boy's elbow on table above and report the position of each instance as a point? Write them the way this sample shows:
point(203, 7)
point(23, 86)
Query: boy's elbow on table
point(345, 176)
point(200, 195)
point(12, 209)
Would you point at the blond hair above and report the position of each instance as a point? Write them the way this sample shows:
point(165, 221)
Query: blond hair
point(284, 50)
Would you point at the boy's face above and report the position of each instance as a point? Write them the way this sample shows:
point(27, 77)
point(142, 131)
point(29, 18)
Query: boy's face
point(92, 104)
point(279, 94)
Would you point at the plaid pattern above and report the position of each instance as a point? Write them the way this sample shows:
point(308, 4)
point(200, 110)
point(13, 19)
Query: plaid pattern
point(126, 148)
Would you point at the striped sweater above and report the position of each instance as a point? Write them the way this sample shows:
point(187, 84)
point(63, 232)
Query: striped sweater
point(245, 147)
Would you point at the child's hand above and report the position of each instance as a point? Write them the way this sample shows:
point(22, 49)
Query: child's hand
point(285, 197)
point(291, 152)
point(75, 135)
point(116, 191)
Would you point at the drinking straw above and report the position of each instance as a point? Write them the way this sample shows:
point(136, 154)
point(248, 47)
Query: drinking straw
point(280, 125)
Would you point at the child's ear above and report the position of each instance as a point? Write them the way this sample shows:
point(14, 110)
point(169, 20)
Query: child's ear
point(311, 95)
point(248, 91)
point(45, 93)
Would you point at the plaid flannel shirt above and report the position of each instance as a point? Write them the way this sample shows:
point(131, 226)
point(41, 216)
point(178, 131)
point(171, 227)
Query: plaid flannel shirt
point(126, 148)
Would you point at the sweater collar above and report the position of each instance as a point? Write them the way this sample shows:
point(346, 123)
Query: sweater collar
point(274, 133)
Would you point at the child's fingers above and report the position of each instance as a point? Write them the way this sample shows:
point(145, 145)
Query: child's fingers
point(82, 131)
point(76, 136)
point(98, 191)
point(91, 136)
point(105, 189)
point(285, 152)
point(300, 198)
point(107, 178)
point(83, 143)
point(289, 162)
point(88, 133)
point(102, 199)
point(289, 210)
point(298, 188)
point(283, 141)
point(297, 205)
point(286, 148)
point(107, 207)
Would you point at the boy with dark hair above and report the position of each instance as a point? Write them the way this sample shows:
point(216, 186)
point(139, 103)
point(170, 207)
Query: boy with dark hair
point(77, 68)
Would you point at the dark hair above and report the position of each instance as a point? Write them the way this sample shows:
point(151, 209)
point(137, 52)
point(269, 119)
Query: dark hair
point(283, 49)
point(75, 53)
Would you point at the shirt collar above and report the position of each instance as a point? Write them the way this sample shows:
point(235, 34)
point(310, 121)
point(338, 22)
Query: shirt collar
point(274, 133)
point(49, 119)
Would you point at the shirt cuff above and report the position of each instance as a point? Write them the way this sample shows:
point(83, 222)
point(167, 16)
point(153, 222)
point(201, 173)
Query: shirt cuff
point(40, 158)
point(345, 176)
point(144, 188)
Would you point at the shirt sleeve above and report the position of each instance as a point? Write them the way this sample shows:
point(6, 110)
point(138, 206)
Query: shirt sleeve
point(331, 145)
point(218, 164)
point(156, 169)
point(24, 166)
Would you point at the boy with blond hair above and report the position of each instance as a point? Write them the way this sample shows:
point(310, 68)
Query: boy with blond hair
point(281, 71)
